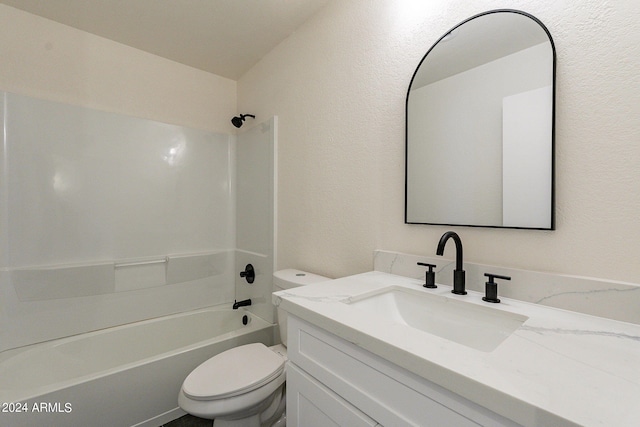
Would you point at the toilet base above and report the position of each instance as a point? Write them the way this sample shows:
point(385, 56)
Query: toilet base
point(270, 415)
point(282, 422)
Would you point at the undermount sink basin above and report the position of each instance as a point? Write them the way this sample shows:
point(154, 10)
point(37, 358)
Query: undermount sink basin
point(481, 328)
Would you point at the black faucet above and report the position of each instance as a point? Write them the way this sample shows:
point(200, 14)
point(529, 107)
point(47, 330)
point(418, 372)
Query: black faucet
point(243, 303)
point(458, 273)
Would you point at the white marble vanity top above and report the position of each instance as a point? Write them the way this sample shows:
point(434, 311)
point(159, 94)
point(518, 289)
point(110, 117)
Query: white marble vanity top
point(559, 368)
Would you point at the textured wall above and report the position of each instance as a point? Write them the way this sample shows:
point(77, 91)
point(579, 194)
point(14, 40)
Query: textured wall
point(339, 83)
point(48, 60)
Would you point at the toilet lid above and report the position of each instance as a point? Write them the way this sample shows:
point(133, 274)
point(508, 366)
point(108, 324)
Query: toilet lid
point(233, 372)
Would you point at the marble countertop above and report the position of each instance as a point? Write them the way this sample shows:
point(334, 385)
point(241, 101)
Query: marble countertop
point(559, 368)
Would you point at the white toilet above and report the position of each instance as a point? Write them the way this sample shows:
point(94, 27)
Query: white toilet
point(244, 386)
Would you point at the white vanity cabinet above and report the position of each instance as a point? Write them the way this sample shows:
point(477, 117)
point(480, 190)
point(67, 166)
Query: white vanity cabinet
point(310, 404)
point(332, 382)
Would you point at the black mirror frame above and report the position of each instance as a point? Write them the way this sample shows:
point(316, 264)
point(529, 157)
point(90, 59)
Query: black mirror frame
point(553, 125)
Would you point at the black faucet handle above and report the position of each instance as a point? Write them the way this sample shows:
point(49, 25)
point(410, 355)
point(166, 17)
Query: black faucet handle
point(491, 287)
point(492, 276)
point(430, 275)
point(249, 273)
point(431, 266)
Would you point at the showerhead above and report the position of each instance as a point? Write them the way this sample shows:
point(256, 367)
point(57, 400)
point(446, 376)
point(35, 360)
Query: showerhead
point(237, 120)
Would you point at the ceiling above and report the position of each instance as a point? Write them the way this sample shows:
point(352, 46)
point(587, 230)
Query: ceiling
point(224, 37)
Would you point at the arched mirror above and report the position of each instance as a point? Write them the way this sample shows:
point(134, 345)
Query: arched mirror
point(479, 126)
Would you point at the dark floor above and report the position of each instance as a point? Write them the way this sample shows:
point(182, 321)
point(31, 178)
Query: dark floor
point(189, 421)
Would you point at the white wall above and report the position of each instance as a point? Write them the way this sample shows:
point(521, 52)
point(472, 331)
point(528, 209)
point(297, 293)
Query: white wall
point(527, 158)
point(338, 85)
point(48, 60)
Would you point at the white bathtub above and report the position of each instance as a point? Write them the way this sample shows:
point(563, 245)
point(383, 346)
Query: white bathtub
point(122, 376)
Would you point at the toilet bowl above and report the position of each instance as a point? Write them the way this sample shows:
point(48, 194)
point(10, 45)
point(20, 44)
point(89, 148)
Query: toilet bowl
point(245, 386)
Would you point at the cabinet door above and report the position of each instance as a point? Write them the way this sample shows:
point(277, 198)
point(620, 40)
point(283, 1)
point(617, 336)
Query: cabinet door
point(388, 393)
point(310, 404)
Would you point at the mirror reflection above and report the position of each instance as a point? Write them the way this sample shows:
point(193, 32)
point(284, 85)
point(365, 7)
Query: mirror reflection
point(480, 107)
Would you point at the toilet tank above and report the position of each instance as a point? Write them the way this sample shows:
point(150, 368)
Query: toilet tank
point(287, 279)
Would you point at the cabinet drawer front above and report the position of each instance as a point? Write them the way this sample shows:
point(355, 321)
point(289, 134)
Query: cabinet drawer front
point(380, 389)
point(310, 404)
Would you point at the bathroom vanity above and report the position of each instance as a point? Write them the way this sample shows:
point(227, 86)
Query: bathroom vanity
point(334, 381)
point(379, 349)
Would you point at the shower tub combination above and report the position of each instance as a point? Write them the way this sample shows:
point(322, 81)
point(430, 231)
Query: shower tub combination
point(128, 375)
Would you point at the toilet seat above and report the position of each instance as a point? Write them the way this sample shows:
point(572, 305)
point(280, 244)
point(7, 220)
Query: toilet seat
point(233, 372)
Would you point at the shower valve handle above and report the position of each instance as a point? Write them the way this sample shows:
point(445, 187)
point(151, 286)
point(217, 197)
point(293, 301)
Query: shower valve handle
point(249, 273)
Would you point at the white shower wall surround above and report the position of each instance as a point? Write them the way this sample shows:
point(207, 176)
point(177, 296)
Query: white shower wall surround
point(108, 219)
point(46, 283)
point(256, 193)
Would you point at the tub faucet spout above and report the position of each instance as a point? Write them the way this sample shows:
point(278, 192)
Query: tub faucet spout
point(243, 303)
point(458, 273)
